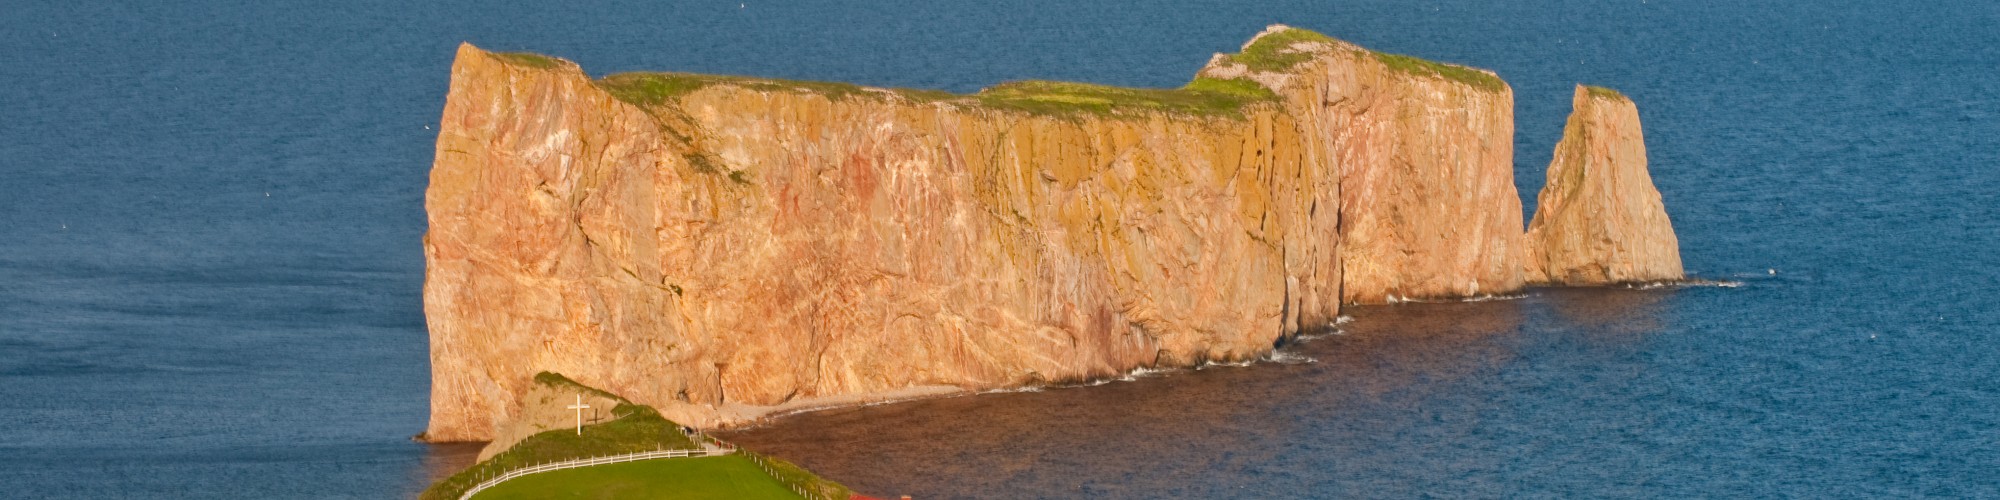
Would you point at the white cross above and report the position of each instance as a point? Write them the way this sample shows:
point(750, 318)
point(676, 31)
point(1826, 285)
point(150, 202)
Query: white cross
point(579, 406)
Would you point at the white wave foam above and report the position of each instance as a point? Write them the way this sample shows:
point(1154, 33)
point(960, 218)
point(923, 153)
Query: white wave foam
point(1475, 298)
point(1685, 283)
point(1290, 358)
point(1225, 364)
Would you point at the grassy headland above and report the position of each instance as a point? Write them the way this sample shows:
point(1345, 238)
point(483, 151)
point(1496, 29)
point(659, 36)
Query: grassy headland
point(724, 477)
point(1277, 51)
point(635, 428)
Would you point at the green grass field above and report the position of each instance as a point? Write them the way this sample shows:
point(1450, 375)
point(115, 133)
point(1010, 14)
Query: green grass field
point(724, 477)
point(638, 428)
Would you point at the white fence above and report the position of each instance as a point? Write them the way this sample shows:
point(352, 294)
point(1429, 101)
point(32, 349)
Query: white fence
point(801, 491)
point(586, 462)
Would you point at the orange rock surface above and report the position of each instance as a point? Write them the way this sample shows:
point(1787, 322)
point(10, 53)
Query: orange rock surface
point(1598, 219)
point(1425, 155)
point(721, 247)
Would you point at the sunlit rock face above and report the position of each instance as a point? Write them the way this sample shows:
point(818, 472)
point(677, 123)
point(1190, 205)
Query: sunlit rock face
point(722, 247)
point(1425, 156)
point(1598, 219)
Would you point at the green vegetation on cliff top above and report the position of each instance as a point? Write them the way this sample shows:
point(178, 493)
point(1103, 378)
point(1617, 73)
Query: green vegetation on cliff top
point(1275, 52)
point(1041, 97)
point(1608, 93)
point(1033, 96)
point(633, 429)
point(529, 59)
point(1477, 78)
point(1204, 96)
point(1278, 52)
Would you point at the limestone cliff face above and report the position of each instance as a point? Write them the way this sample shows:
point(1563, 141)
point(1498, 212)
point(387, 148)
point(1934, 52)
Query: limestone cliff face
point(1598, 219)
point(750, 246)
point(718, 247)
point(1425, 156)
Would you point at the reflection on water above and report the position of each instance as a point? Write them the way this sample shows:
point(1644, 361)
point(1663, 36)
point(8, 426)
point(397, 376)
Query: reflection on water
point(1623, 312)
point(441, 460)
point(1395, 402)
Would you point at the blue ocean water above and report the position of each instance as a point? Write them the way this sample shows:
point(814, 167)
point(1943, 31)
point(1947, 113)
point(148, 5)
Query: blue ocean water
point(210, 257)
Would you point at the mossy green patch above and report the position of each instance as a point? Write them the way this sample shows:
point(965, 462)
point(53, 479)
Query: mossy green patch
point(1416, 66)
point(660, 88)
point(1210, 97)
point(1204, 96)
point(1239, 87)
point(529, 59)
point(1278, 51)
point(1607, 93)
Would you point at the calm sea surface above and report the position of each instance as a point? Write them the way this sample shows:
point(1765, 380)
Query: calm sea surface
point(210, 257)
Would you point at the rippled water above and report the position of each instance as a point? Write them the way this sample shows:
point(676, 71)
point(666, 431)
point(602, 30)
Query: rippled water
point(210, 257)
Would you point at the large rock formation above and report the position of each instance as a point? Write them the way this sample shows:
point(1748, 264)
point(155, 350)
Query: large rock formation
point(1425, 155)
point(719, 247)
point(1598, 219)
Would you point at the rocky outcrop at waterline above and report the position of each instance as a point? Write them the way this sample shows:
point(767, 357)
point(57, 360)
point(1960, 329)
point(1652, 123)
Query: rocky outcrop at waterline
point(1598, 219)
point(719, 247)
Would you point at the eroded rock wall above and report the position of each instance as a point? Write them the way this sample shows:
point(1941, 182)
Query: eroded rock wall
point(1425, 155)
point(512, 286)
point(747, 248)
point(732, 248)
point(1598, 219)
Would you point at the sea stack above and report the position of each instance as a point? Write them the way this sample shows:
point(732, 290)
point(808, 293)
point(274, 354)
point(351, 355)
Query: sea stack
point(1599, 220)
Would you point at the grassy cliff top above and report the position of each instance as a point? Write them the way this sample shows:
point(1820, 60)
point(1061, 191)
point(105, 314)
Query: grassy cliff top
point(530, 59)
point(1038, 97)
point(1477, 78)
point(1277, 49)
point(1280, 48)
point(1605, 92)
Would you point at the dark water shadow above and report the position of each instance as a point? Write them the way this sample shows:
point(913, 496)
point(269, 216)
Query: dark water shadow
point(1217, 430)
point(441, 460)
point(1395, 398)
point(1613, 311)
